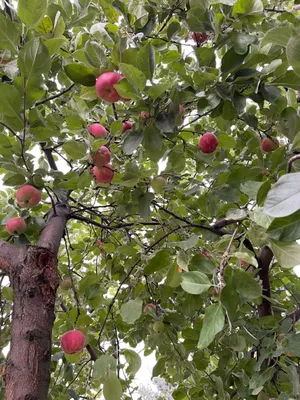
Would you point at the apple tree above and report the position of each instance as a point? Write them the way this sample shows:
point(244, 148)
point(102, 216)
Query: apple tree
point(149, 156)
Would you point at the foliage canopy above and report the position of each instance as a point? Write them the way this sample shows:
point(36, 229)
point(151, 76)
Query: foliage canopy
point(229, 219)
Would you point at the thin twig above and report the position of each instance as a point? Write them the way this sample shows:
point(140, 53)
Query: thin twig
point(224, 260)
point(291, 161)
point(55, 96)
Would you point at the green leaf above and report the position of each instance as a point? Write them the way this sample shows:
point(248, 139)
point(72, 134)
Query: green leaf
point(116, 128)
point(279, 35)
point(76, 150)
point(195, 282)
point(131, 311)
point(248, 7)
point(134, 361)
point(10, 100)
point(146, 60)
point(133, 75)
point(132, 142)
point(103, 365)
point(144, 204)
point(287, 254)
point(250, 188)
point(161, 260)
point(158, 89)
point(259, 379)
point(34, 59)
point(293, 344)
point(32, 11)
point(9, 35)
point(231, 60)
point(127, 90)
point(186, 244)
point(213, 324)
point(14, 180)
point(95, 54)
point(199, 20)
point(111, 13)
point(286, 229)
point(284, 197)
point(246, 286)
point(81, 74)
point(293, 53)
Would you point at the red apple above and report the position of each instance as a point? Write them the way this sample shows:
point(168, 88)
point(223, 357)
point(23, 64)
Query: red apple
point(99, 243)
point(72, 342)
point(269, 144)
point(104, 174)
point(199, 37)
point(206, 254)
point(149, 308)
point(243, 262)
point(179, 269)
point(28, 196)
point(214, 292)
point(145, 114)
point(101, 157)
point(180, 116)
point(97, 130)
point(105, 87)
point(264, 173)
point(208, 143)
point(126, 126)
point(15, 226)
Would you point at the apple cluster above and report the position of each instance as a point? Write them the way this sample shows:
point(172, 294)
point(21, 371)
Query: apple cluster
point(27, 196)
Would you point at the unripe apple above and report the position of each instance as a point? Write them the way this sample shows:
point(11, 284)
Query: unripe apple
point(16, 226)
point(97, 130)
point(158, 184)
point(269, 144)
point(65, 284)
point(126, 126)
point(28, 196)
point(199, 37)
point(145, 114)
point(72, 342)
point(158, 327)
point(101, 157)
point(105, 87)
point(208, 143)
point(104, 174)
point(149, 308)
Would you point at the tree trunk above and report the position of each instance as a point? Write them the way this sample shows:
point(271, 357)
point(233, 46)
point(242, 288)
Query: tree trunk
point(34, 281)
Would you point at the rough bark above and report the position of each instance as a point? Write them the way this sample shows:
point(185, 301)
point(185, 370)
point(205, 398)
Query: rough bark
point(34, 280)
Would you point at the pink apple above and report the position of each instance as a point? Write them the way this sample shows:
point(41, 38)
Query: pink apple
point(145, 114)
point(28, 196)
point(105, 87)
point(15, 226)
point(208, 143)
point(101, 157)
point(72, 342)
point(199, 37)
point(104, 174)
point(149, 308)
point(127, 125)
point(97, 130)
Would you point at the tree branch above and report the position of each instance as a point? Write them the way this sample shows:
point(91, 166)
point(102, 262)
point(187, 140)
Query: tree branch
point(55, 96)
point(49, 156)
point(110, 306)
point(52, 233)
point(9, 255)
point(291, 161)
point(264, 259)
